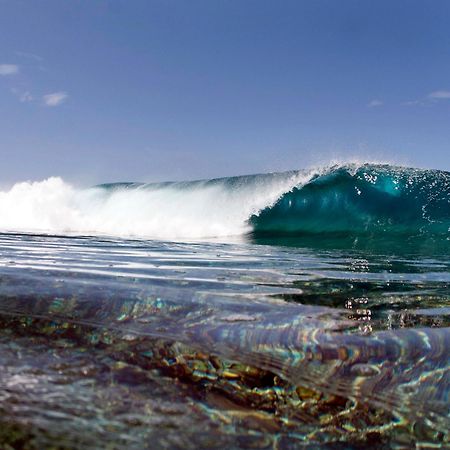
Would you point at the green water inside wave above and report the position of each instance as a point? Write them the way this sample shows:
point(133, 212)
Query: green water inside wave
point(366, 200)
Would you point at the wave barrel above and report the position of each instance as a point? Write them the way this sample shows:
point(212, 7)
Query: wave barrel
point(368, 199)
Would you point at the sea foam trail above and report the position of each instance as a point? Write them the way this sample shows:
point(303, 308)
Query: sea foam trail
point(349, 199)
point(199, 209)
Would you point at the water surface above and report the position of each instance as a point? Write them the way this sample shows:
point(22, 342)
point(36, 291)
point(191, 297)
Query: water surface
point(113, 343)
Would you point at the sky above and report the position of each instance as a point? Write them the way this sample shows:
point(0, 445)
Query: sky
point(102, 91)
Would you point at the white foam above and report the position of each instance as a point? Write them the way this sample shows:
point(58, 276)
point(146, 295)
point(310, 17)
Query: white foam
point(196, 210)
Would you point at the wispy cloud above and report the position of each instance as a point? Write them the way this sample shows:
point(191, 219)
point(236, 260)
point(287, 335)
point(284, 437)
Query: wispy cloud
point(413, 103)
point(8, 69)
point(23, 96)
point(55, 99)
point(430, 99)
point(375, 103)
point(30, 56)
point(439, 95)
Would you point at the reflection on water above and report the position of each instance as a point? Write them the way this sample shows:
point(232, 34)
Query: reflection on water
point(113, 343)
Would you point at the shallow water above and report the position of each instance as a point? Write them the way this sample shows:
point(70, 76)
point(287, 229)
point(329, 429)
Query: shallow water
point(113, 343)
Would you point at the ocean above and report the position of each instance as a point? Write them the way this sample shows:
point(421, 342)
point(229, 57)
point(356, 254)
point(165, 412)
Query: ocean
point(305, 309)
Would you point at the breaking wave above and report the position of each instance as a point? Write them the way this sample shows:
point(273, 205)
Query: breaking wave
point(347, 199)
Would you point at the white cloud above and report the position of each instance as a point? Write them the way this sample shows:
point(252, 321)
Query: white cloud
point(55, 99)
point(374, 103)
point(8, 69)
point(440, 95)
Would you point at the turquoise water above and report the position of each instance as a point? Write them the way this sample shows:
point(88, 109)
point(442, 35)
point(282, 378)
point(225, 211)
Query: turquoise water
point(367, 199)
point(324, 324)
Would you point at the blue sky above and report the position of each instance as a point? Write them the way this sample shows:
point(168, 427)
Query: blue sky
point(98, 91)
